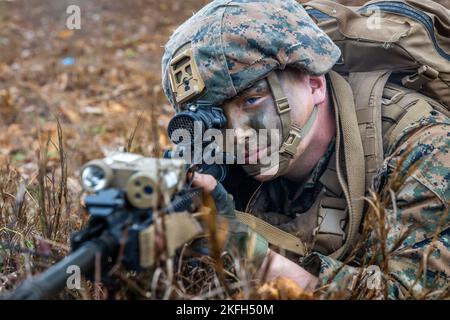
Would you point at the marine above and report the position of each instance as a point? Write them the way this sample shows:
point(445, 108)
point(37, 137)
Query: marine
point(362, 176)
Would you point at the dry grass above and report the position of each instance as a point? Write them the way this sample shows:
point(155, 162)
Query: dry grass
point(39, 215)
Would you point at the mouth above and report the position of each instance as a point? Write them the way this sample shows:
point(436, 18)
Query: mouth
point(254, 157)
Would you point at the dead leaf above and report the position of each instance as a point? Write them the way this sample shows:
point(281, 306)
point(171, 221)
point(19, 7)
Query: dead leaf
point(14, 130)
point(44, 248)
point(5, 100)
point(115, 107)
point(64, 34)
point(69, 114)
point(4, 159)
point(283, 288)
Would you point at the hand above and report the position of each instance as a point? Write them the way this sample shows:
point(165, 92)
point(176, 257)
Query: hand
point(205, 181)
point(240, 236)
point(275, 266)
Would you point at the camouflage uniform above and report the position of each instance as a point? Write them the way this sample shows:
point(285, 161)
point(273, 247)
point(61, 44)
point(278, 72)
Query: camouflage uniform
point(236, 43)
point(420, 213)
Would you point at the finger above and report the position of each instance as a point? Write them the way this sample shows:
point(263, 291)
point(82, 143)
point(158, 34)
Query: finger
point(205, 181)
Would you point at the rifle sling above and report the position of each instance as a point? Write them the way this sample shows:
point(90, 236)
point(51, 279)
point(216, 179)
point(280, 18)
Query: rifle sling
point(272, 234)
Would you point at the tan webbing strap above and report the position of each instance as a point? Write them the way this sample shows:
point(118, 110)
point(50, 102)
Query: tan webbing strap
point(414, 113)
point(392, 112)
point(423, 75)
point(281, 103)
point(272, 234)
point(296, 134)
point(354, 187)
point(292, 134)
point(329, 178)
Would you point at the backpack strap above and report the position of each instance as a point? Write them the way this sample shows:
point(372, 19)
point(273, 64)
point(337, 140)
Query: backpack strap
point(333, 212)
point(384, 110)
point(414, 113)
point(351, 177)
point(401, 107)
point(368, 92)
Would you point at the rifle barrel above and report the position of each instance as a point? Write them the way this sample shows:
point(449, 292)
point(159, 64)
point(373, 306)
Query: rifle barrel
point(53, 280)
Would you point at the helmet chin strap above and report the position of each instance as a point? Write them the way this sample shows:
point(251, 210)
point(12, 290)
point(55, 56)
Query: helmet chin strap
point(292, 134)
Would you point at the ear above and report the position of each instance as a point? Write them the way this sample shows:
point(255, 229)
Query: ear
point(318, 86)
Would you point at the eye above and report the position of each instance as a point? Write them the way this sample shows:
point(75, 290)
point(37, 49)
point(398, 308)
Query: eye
point(251, 100)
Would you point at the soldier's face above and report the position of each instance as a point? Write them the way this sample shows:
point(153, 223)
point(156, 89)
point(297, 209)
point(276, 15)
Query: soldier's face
point(251, 114)
point(254, 109)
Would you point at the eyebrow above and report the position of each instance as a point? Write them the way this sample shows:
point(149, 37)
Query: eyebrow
point(260, 86)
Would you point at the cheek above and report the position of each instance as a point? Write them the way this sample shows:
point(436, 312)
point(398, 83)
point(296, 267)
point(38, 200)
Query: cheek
point(263, 117)
point(233, 116)
point(238, 119)
point(266, 117)
point(301, 105)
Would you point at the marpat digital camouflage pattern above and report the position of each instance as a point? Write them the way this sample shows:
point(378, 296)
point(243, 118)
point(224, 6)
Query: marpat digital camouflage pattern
point(419, 263)
point(236, 43)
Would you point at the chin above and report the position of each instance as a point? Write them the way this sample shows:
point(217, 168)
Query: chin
point(267, 174)
point(263, 178)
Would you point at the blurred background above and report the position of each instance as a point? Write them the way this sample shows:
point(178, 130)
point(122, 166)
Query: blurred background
point(99, 81)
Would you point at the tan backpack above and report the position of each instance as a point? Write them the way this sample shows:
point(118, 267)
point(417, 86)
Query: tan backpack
point(410, 38)
point(405, 42)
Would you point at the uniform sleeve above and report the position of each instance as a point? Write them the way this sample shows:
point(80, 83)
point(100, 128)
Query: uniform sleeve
point(417, 243)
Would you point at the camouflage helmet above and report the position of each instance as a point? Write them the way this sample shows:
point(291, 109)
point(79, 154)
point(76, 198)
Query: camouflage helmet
point(229, 45)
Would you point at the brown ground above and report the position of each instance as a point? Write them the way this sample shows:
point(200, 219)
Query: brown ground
point(115, 76)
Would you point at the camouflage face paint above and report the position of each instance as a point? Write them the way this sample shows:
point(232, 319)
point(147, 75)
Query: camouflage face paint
point(256, 126)
point(254, 108)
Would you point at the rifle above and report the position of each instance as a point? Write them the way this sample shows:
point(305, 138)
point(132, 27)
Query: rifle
point(126, 192)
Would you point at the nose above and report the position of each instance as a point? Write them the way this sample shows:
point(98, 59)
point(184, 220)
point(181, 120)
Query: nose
point(242, 136)
point(240, 124)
